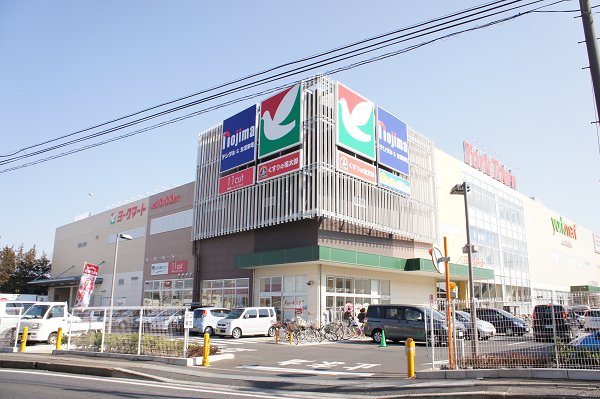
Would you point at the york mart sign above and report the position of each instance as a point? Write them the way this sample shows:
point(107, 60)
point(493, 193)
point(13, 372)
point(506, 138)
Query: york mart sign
point(558, 226)
point(488, 165)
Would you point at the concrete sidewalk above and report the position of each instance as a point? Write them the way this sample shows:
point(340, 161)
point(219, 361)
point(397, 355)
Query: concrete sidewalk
point(382, 385)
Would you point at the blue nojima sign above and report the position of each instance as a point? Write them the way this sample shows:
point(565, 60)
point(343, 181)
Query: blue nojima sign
point(392, 142)
point(238, 143)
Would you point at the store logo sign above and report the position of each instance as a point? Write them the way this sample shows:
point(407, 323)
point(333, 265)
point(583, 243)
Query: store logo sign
point(355, 122)
point(237, 144)
point(558, 226)
point(280, 119)
point(168, 200)
point(392, 142)
point(490, 166)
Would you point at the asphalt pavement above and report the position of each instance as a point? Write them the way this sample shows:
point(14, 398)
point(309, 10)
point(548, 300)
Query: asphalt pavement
point(388, 385)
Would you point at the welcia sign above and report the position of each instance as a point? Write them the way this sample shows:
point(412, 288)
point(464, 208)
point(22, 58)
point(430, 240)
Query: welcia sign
point(238, 140)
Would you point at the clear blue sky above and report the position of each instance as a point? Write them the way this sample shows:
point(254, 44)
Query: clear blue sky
point(516, 90)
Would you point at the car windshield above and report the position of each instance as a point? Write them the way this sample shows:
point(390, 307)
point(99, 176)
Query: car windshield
point(463, 316)
point(36, 311)
point(235, 313)
point(436, 315)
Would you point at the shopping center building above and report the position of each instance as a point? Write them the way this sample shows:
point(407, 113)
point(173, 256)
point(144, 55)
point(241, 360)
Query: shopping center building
point(316, 198)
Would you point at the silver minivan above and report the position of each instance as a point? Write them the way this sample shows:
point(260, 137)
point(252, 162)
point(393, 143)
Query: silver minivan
point(399, 322)
point(248, 321)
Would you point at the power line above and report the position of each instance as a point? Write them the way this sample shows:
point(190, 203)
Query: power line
point(279, 76)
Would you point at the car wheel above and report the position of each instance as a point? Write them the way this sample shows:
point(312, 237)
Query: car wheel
point(376, 335)
point(209, 330)
point(236, 333)
point(52, 338)
point(272, 331)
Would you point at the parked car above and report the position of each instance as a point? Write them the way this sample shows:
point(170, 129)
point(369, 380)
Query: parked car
point(206, 319)
point(248, 321)
point(147, 318)
point(579, 318)
point(589, 341)
point(485, 330)
point(169, 320)
point(504, 322)
point(551, 320)
point(591, 320)
point(399, 322)
point(10, 312)
point(43, 320)
point(124, 319)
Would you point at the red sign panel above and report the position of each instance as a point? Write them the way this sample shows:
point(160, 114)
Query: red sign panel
point(180, 266)
point(235, 181)
point(279, 166)
point(168, 200)
point(356, 167)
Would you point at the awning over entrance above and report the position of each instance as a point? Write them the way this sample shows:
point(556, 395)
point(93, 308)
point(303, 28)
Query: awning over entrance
point(354, 258)
point(61, 281)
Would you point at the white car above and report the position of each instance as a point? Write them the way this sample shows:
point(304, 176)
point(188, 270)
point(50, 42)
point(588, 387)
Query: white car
point(206, 319)
point(485, 330)
point(591, 320)
point(43, 320)
point(248, 321)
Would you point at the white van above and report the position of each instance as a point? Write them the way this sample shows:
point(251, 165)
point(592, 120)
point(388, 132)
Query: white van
point(43, 320)
point(248, 321)
point(10, 312)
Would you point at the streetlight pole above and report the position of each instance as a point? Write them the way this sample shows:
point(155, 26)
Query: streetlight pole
point(114, 277)
point(463, 189)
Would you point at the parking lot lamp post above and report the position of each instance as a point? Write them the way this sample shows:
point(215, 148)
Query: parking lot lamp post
point(114, 276)
point(463, 189)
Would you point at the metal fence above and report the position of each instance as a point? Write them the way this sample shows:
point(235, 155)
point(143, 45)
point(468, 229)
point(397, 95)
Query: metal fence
point(559, 333)
point(157, 331)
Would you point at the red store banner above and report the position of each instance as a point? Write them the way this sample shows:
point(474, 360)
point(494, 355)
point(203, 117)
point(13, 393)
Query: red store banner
point(180, 266)
point(86, 285)
point(237, 180)
point(279, 166)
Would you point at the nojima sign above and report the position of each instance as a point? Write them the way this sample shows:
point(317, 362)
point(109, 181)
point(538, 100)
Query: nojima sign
point(238, 141)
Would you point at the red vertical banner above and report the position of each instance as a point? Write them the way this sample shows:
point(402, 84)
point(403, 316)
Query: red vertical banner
point(86, 285)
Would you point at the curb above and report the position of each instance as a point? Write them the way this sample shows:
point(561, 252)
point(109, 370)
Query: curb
point(538, 374)
point(115, 372)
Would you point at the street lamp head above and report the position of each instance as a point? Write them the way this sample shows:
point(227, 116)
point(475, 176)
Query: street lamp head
point(459, 189)
point(125, 237)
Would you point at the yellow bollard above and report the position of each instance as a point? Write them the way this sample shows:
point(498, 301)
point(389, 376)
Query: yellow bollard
point(206, 354)
point(409, 346)
point(58, 338)
point(291, 335)
point(24, 339)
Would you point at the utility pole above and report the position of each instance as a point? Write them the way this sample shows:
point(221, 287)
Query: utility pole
point(592, 49)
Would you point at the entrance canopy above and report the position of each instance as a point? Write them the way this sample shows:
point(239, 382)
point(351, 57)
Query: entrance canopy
point(61, 281)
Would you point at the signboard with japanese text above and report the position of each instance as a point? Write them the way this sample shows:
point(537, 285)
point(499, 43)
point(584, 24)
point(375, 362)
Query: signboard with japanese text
point(86, 285)
point(392, 142)
point(127, 214)
point(166, 200)
point(355, 167)
point(393, 182)
point(238, 143)
point(180, 266)
point(355, 122)
point(280, 122)
point(279, 166)
point(235, 181)
point(156, 269)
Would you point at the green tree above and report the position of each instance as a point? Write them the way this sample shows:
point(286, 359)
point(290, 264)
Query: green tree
point(8, 264)
point(26, 267)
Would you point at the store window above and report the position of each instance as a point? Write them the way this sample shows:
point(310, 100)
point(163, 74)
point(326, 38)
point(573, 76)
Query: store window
point(354, 293)
point(176, 292)
point(289, 299)
point(229, 293)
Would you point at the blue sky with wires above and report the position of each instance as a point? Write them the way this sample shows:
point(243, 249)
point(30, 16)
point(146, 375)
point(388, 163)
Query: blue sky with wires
point(515, 89)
